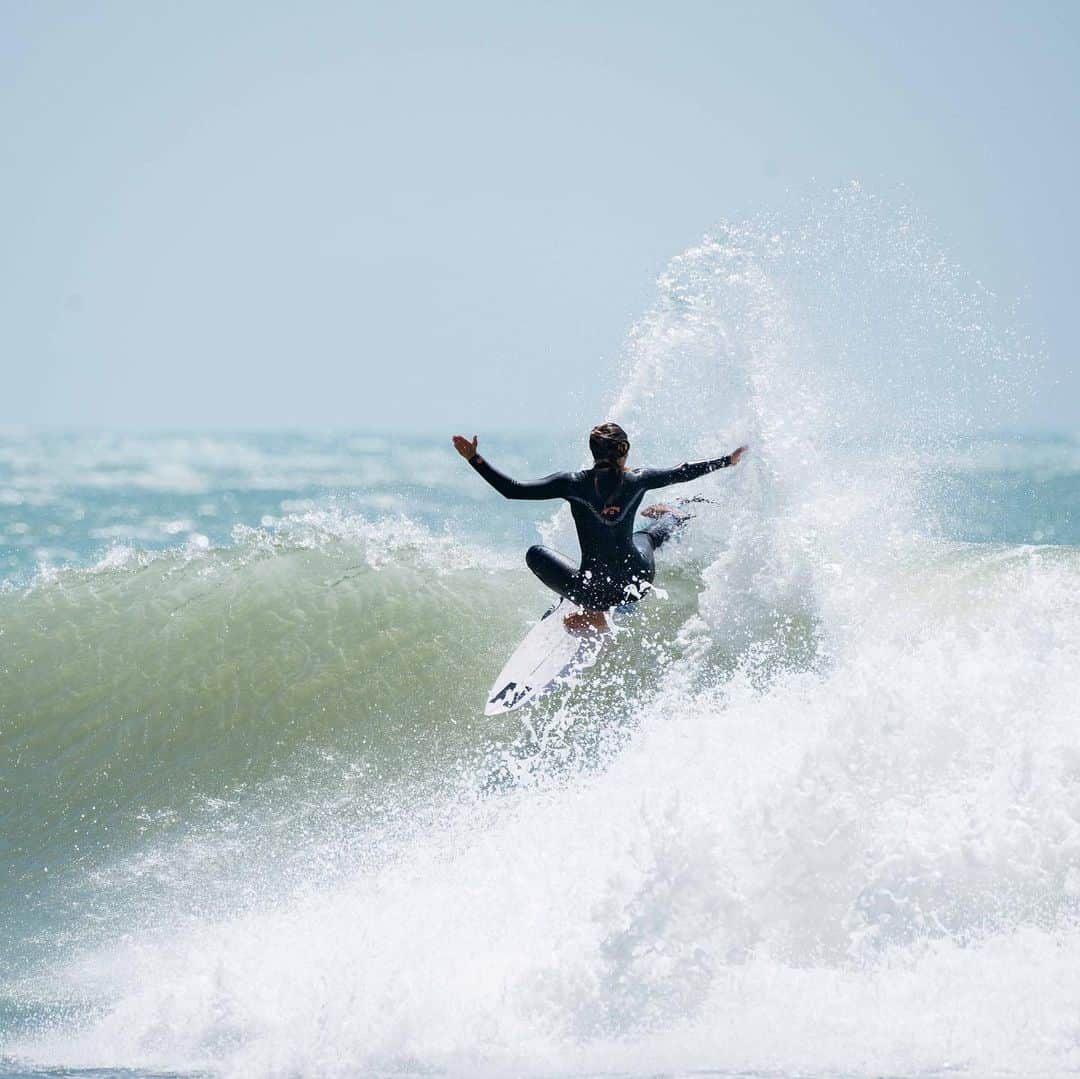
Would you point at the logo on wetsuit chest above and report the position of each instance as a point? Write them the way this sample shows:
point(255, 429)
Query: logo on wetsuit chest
point(611, 511)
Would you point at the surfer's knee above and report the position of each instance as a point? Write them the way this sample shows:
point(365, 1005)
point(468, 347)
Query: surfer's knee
point(535, 555)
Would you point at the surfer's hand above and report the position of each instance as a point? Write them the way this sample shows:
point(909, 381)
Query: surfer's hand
point(466, 448)
point(734, 457)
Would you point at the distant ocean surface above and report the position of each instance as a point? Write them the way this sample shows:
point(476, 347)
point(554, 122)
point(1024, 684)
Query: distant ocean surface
point(818, 813)
point(80, 500)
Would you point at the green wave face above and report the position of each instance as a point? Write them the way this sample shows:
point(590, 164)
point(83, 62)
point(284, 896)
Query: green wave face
point(133, 694)
point(284, 698)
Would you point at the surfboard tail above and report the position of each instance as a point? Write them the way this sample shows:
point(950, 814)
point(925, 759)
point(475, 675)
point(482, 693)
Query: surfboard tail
point(548, 657)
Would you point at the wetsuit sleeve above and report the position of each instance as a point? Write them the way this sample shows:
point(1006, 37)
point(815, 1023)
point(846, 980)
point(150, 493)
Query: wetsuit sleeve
point(665, 477)
point(557, 485)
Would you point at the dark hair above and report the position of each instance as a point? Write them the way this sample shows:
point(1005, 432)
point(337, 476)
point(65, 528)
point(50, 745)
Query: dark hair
point(608, 443)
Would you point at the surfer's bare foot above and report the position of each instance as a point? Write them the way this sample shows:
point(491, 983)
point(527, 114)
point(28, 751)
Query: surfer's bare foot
point(585, 622)
point(660, 509)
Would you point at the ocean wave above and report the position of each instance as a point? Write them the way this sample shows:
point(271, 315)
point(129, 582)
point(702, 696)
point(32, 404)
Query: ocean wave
point(819, 810)
point(902, 815)
point(149, 675)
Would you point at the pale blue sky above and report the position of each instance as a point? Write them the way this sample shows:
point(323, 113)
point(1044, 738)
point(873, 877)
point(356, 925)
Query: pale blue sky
point(350, 215)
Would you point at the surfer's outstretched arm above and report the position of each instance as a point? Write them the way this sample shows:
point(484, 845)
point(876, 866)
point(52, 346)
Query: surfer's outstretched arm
point(664, 477)
point(554, 486)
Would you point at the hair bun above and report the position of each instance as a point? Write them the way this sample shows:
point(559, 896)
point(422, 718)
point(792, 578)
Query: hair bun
point(608, 442)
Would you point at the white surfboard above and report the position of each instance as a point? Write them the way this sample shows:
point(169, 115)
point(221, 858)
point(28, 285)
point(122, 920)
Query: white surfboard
point(549, 656)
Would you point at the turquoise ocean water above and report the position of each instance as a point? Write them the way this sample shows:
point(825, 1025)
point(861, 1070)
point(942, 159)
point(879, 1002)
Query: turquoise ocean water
point(818, 813)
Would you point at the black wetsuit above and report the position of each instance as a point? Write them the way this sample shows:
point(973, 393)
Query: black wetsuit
point(616, 561)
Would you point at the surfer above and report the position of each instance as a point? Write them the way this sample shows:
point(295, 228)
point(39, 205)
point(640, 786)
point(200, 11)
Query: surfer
point(617, 564)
